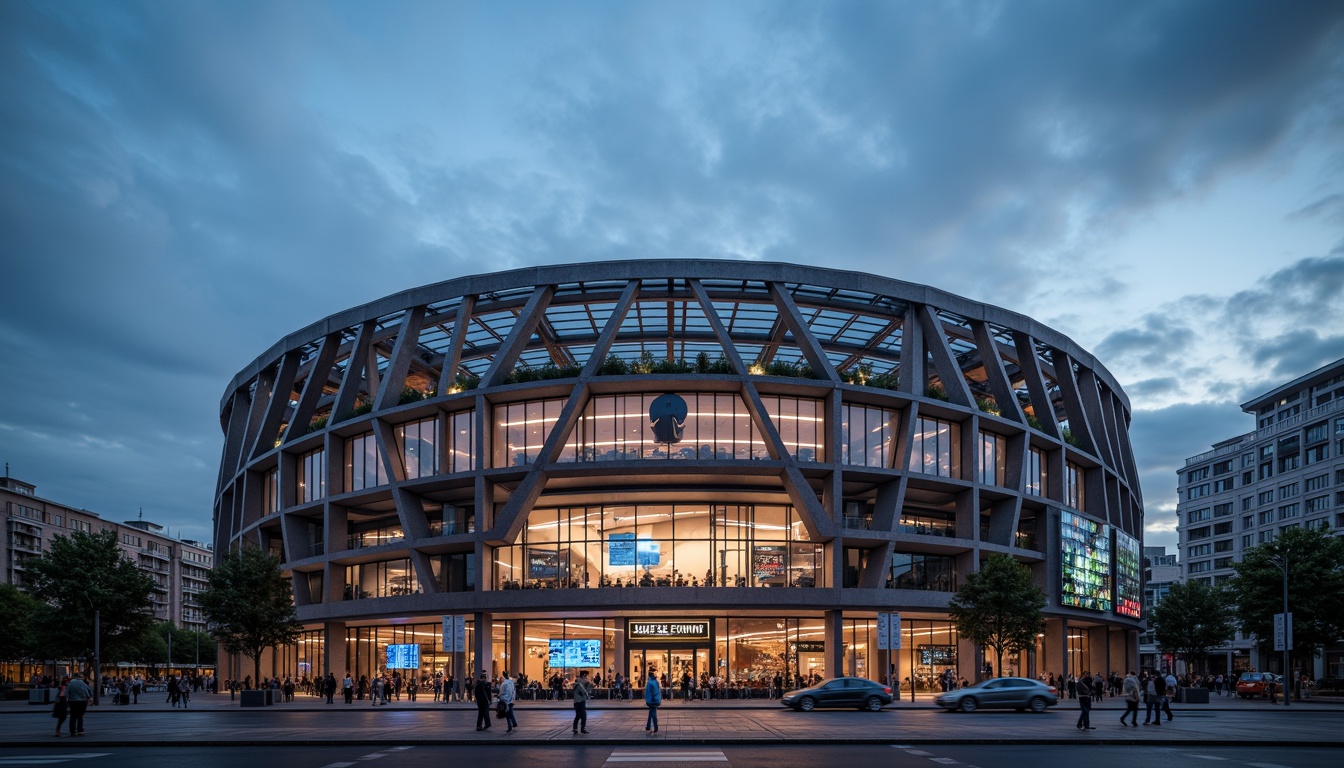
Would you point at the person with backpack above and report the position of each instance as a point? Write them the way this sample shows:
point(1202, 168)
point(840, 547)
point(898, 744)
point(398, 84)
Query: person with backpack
point(1130, 690)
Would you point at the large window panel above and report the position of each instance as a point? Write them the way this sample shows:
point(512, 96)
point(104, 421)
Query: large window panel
point(419, 442)
point(936, 448)
point(312, 480)
point(868, 436)
point(363, 463)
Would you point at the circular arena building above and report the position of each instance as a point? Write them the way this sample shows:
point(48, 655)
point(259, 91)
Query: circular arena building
point(738, 471)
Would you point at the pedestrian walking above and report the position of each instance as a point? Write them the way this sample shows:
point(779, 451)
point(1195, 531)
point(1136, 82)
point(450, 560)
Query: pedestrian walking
point(583, 691)
point(1170, 680)
point(329, 686)
point(1131, 694)
point(508, 694)
point(481, 695)
point(348, 688)
point(653, 696)
point(62, 707)
point(1085, 706)
point(77, 695)
point(184, 690)
point(1157, 688)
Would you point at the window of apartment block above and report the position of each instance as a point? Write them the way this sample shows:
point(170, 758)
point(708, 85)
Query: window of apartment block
point(1222, 467)
point(1266, 470)
point(1222, 546)
point(1266, 516)
point(1222, 484)
point(1317, 483)
point(1247, 522)
point(1289, 463)
point(1246, 504)
point(1247, 478)
point(1199, 515)
point(1202, 532)
point(1247, 460)
point(1319, 432)
point(1197, 491)
point(1287, 511)
point(1267, 497)
point(1202, 566)
point(993, 450)
point(1195, 475)
point(1199, 550)
point(1318, 504)
point(1222, 510)
point(1288, 491)
point(1221, 528)
point(1248, 541)
point(1316, 454)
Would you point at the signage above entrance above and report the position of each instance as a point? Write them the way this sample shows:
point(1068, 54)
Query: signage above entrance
point(667, 630)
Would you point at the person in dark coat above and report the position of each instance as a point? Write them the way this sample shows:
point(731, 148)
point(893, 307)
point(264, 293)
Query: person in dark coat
point(481, 695)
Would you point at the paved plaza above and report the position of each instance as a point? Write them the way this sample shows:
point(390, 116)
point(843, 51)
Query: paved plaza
point(214, 719)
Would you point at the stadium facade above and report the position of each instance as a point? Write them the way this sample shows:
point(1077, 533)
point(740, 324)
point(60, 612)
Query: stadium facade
point(723, 468)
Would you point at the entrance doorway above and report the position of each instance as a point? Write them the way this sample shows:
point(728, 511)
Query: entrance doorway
point(673, 662)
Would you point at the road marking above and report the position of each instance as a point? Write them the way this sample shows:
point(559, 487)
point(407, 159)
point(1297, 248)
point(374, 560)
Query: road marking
point(49, 759)
point(338, 765)
point(1207, 757)
point(1267, 765)
point(944, 760)
point(716, 756)
point(372, 756)
point(919, 752)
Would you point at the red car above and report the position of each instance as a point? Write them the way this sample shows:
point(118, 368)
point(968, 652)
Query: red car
point(1253, 685)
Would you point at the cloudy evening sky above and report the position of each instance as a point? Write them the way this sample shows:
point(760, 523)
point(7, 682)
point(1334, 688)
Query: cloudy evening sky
point(183, 183)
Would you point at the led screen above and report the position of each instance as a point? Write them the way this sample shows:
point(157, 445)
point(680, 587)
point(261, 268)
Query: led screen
point(1128, 576)
point(648, 552)
point(403, 656)
point(1085, 562)
point(576, 653)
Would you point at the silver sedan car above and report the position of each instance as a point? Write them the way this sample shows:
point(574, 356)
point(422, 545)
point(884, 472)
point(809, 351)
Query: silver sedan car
point(1018, 693)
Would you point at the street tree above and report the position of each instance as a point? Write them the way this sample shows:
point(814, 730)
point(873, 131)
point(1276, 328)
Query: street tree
point(249, 604)
point(82, 573)
point(999, 607)
point(1315, 564)
point(1191, 619)
point(17, 609)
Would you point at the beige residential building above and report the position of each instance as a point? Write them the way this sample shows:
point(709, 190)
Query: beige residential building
point(180, 568)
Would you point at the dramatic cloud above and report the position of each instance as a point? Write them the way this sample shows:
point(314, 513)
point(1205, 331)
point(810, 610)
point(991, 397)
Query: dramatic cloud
point(186, 182)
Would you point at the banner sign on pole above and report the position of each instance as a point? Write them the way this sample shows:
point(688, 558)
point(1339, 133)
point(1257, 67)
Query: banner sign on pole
point(455, 634)
point(889, 631)
point(1283, 631)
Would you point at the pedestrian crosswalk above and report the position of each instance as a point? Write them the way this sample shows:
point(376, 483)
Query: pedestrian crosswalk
point(667, 756)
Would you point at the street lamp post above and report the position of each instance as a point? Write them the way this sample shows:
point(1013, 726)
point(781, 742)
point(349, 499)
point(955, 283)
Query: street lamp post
point(1287, 635)
point(97, 656)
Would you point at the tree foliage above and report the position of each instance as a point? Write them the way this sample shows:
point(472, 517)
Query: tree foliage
point(1315, 587)
point(249, 604)
point(78, 574)
point(165, 642)
point(17, 610)
point(999, 607)
point(1191, 619)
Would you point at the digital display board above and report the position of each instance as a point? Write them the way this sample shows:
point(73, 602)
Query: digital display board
point(624, 549)
point(576, 653)
point(1128, 576)
point(403, 656)
point(1085, 562)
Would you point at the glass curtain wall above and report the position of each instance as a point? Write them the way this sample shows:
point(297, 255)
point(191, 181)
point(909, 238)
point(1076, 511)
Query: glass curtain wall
point(388, 578)
point(419, 447)
point(366, 650)
point(936, 449)
point(916, 570)
point(993, 455)
point(869, 436)
point(363, 463)
point(568, 647)
point(1073, 485)
point(928, 649)
point(661, 545)
point(312, 476)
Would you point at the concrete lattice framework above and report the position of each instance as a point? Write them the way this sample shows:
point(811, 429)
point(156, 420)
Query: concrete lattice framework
point(937, 355)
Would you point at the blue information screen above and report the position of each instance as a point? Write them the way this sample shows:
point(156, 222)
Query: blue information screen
point(403, 656)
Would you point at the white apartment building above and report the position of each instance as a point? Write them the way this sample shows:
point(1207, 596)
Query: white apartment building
point(1249, 488)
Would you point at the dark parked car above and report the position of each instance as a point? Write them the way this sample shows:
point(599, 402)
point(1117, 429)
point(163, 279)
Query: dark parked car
point(840, 692)
point(1018, 693)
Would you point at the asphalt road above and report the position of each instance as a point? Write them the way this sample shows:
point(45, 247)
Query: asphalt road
point(676, 756)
